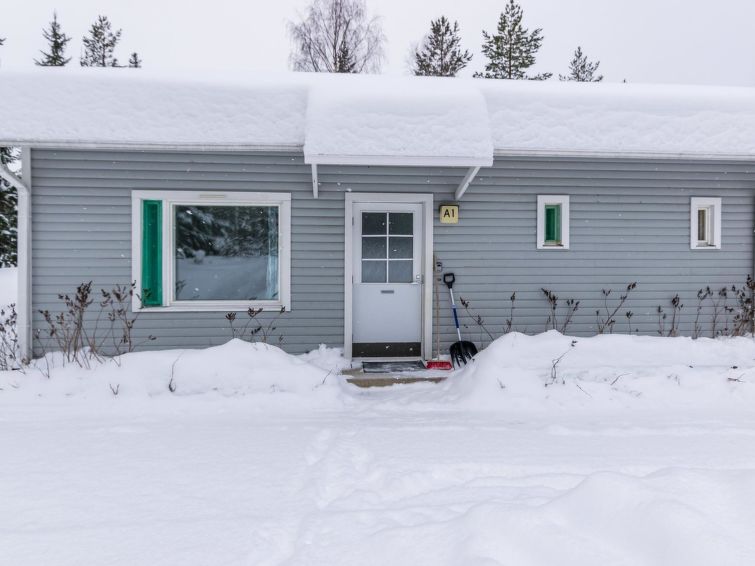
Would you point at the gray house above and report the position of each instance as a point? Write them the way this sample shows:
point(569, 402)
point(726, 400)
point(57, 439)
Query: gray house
point(333, 203)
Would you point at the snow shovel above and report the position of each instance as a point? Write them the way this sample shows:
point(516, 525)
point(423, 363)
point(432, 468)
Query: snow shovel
point(463, 350)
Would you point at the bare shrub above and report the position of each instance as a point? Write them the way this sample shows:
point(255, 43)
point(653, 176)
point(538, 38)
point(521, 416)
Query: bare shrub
point(66, 331)
point(572, 305)
point(477, 319)
point(9, 353)
point(607, 322)
point(253, 330)
point(510, 320)
point(676, 311)
point(742, 324)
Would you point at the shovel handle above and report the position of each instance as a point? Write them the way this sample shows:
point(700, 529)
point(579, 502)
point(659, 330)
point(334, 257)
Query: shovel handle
point(448, 279)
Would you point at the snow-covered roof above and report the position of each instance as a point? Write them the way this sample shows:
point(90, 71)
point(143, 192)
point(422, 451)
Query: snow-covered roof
point(373, 119)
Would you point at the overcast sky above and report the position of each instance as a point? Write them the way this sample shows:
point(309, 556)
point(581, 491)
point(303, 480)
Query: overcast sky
point(677, 41)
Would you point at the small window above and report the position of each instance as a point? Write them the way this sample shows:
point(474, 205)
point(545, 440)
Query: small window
point(705, 223)
point(553, 222)
point(211, 251)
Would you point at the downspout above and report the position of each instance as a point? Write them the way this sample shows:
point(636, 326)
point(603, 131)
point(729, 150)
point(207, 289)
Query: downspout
point(23, 304)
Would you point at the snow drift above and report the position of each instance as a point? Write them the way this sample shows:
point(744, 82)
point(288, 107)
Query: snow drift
point(236, 368)
point(607, 372)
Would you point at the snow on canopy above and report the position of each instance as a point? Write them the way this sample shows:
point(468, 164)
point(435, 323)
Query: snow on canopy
point(350, 119)
point(411, 120)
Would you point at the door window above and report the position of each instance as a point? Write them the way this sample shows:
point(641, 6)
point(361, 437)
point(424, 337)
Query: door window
point(387, 247)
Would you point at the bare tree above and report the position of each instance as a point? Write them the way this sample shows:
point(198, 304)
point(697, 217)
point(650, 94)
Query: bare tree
point(337, 36)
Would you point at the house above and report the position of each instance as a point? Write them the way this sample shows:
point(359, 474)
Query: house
point(321, 196)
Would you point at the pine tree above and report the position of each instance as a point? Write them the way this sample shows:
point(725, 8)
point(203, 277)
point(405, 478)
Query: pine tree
point(581, 70)
point(511, 50)
point(99, 47)
point(440, 54)
point(134, 62)
point(345, 60)
point(8, 214)
point(57, 41)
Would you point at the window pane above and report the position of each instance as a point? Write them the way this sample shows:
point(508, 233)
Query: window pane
point(400, 272)
point(702, 224)
point(401, 223)
point(374, 222)
point(226, 253)
point(553, 223)
point(401, 248)
point(373, 247)
point(373, 271)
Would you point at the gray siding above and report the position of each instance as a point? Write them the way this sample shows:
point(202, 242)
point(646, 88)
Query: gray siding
point(629, 222)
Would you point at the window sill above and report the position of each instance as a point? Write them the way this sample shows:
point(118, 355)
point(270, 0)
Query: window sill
point(542, 246)
point(218, 307)
point(706, 247)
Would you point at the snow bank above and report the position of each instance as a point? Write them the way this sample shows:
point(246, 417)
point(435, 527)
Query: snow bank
point(236, 368)
point(348, 118)
point(608, 371)
point(8, 285)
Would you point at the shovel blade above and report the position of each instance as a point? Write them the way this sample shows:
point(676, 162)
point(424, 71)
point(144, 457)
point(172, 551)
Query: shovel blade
point(462, 352)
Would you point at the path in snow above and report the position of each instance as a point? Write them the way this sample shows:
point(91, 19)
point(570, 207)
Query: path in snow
point(215, 482)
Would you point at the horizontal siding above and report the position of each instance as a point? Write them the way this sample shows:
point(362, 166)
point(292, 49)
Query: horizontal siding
point(629, 222)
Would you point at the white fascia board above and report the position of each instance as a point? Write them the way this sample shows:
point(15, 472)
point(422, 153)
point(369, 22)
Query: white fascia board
point(621, 154)
point(399, 160)
point(150, 146)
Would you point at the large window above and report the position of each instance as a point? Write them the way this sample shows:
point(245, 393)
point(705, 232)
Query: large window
point(212, 251)
point(705, 223)
point(553, 222)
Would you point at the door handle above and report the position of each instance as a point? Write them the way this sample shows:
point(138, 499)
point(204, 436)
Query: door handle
point(387, 291)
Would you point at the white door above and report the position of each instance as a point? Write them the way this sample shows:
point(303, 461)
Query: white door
point(387, 280)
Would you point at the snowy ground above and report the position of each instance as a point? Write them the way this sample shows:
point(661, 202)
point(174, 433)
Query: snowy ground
point(629, 457)
point(8, 285)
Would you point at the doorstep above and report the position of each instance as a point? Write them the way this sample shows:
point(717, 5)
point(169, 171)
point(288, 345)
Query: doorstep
point(361, 379)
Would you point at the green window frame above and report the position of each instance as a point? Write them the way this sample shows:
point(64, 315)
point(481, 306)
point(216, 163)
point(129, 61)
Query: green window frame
point(552, 236)
point(152, 253)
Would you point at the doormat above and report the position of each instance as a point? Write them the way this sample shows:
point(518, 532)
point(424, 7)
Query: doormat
point(392, 367)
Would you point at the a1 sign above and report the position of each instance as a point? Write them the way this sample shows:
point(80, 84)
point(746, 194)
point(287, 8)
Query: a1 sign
point(449, 213)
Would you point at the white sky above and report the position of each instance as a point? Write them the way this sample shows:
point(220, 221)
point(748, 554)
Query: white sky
point(676, 41)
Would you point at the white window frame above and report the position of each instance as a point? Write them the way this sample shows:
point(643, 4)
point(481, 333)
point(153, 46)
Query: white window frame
point(542, 201)
point(714, 223)
point(170, 199)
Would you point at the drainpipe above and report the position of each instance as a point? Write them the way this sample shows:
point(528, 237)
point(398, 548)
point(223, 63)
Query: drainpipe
point(23, 304)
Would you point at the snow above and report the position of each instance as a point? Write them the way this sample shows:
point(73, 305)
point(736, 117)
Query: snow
point(350, 119)
point(8, 285)
point(72, 105)
point(578, 117)
point(638, 453)
point(365, 117)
